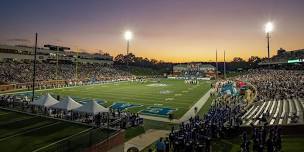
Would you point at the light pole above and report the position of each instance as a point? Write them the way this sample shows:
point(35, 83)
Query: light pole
point(268, 29)
point(225, 64)
point(216, 64)
point(57, 51)
point(128, 36)
point(34, 70)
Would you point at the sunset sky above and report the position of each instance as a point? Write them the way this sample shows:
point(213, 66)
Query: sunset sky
point(169, 30)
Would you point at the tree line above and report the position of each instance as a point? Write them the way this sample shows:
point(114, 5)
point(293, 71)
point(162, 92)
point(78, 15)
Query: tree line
point(237, 63)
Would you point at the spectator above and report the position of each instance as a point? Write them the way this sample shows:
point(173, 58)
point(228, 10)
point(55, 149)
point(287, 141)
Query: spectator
point(160, 145)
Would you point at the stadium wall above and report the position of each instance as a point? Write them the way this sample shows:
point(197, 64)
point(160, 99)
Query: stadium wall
point(113, 144)
point(7, 87)
point(183, 78)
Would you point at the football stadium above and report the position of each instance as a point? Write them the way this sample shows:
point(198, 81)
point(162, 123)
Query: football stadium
point(125, 76)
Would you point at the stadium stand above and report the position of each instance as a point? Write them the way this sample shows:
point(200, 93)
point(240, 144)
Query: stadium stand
point(281, 112)
point(10, 72)
point(278, 102)
point(283, 90)
point(283, 57)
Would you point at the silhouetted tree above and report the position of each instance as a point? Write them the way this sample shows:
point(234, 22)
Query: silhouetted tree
point(119, 59)
point(253, 61)
point(239, 63)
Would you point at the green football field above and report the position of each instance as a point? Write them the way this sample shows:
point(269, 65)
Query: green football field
point(22, 133)
point(165, 93)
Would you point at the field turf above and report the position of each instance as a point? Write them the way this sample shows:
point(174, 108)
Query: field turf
point(22, 133)
point(177, 94)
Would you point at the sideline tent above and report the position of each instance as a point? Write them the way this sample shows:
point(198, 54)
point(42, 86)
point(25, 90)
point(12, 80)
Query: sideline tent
point(91, 107)
point(45, 101)
point(67, 104)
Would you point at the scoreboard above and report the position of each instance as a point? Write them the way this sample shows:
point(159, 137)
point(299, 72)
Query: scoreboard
point(296, 61)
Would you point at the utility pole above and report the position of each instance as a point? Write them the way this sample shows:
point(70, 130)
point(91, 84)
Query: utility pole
point(34, 70)
point(76, 62)
point(216, 65)
point(268, 29)
point(128, 41)
point(57, 63)
point(224, 64)
point(128, 36)
point(268, 49)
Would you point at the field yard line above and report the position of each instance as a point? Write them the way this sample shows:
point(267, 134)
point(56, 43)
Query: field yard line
point(190, 113)
point(61, 88)
point(53, 143)
point(144, 99)
point(27, 131)
point(4, 114)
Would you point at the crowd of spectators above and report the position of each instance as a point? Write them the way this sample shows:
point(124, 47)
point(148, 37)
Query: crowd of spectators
point(263, 138)
point(224, 116)
point(222, 120)
point(22, 72)
point(276, 84)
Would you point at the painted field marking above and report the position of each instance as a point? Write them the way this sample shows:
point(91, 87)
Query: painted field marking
point(61, 140)
point(43, 90)
point(4, 114)
point(2, 139)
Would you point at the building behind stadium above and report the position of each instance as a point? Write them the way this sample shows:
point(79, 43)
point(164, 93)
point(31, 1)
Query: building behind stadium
point(194, 70)
point(284, 57)
point(48, 54)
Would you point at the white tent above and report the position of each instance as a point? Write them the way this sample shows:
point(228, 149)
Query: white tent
point(45, 101)
point(67, 104)
point(91, 107)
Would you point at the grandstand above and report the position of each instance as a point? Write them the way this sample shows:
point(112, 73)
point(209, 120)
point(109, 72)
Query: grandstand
point(152, 76)
point(257, 99)
point(285, 57)
point(101, 98)
point(50, 53)
point(193, 70)
point(280, 112)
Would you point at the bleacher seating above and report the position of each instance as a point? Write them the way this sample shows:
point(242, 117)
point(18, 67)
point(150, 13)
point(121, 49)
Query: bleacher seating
point(280, 111)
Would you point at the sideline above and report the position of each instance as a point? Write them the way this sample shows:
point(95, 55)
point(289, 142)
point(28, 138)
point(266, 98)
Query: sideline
point(39, 90)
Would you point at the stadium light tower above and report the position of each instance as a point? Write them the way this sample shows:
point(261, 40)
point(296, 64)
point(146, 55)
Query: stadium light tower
point(268, 30)
point(128, 36)
point(34, 68)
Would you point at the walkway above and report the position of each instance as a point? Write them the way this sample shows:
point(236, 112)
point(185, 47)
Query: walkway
point(199, 104)
point(190, 113)
point(146, 139)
